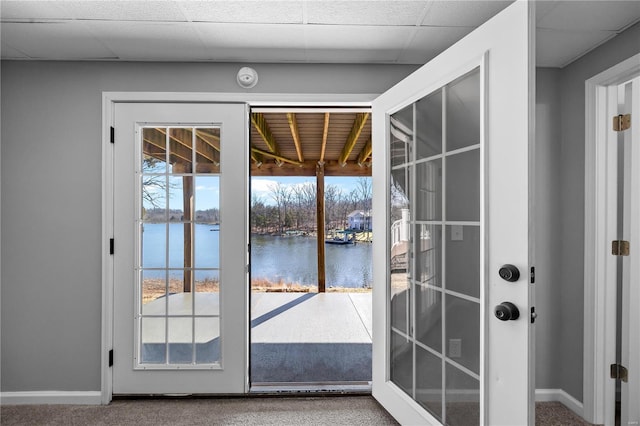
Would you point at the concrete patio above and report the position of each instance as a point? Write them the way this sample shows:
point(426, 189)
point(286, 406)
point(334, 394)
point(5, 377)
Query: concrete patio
point(310, 337)
point(296, 338)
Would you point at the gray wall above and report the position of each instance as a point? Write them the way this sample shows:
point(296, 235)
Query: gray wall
point(572, 125)
point(51, 197)
point(547, 216)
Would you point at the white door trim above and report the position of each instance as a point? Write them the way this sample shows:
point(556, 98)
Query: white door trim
point(599, 302)
point(109, 99)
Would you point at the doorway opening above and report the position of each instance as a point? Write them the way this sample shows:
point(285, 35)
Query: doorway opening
point(310, 249)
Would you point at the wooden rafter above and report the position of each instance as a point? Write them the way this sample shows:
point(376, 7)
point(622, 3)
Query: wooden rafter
point(325, 134)
point(262, 128)
point(356, 129)
point(257, 158)
point(212, 140)
point(293, 125)
point(308, 168)
point(275, 156)
point(365, 153)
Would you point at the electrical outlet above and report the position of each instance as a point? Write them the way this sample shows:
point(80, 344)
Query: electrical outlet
point(455, 348)
point(456, 233)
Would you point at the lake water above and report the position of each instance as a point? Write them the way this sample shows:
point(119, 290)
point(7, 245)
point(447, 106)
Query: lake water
point(290, 259)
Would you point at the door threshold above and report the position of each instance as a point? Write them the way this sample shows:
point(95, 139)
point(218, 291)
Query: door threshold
point(333, 388)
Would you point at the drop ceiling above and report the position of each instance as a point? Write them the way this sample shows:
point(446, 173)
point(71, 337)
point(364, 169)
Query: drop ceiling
point(310, 31)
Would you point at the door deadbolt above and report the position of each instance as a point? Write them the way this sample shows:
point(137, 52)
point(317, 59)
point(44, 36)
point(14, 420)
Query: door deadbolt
point(507, 311)
point(509, 273)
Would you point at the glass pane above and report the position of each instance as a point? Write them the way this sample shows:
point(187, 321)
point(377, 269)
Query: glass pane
point(207, 199)
point(463, 186)
point(428, 317)
point(429, 381)
point(208, 150)
point(400, 194)
point(180, 340)
point(400, 301)
point(153, 338)
point(180, 202)
point(207, 293)
point(463, 111)
point(181, 297)
point(463, 259)
point(177, 245)
point(154, 198)
point(428, 256)
point(429, 125)
point(462, 398)
point(401, 137)
point(463, 332)
point(154, 152)
point(180, 150)
point(402, 362)
point(153, 245)
point(429, 190)
point(207, 228)
point(207, 340)
point(153, 291)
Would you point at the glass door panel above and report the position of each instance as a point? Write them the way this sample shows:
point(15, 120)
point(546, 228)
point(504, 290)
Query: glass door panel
point(180, 247)
point(438, 365)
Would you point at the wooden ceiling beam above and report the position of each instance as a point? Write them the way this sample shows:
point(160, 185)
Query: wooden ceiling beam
point(257, 158)
point(308, 168)
point(356, 129)
point(365, 153)
point(158, 138)
point(325, 135)
point(262, 127)
point(293, 125)
point(276, 156)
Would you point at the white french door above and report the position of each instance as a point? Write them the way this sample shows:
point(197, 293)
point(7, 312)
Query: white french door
point(179, 298)
point(452, 247)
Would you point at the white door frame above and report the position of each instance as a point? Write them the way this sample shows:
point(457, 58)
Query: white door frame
point(109, 100)
point(599, 265)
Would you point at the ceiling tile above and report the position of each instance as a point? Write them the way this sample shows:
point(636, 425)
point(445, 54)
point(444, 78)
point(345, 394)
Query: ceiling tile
point(346, 56)
point(256, 55)
point(543, 7)
point(251, 36)
point(365, 12)
point(9, 52)
point(151, 41)
point(343, 37)
point(592, 15)
point(274, 12)
point(32, 10)
point(62, 40)
point(559, 48)
point(462, 13)
point(428, 42)
point(167, 11)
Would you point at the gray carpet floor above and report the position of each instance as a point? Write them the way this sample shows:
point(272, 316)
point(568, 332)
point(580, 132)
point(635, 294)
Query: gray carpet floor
point(320, 410)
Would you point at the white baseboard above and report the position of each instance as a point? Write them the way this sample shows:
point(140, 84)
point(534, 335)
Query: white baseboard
point(558, 395)
point(51, 397)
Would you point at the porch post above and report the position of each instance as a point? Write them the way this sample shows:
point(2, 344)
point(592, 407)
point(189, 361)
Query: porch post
point(187, 202)
point(320, 224)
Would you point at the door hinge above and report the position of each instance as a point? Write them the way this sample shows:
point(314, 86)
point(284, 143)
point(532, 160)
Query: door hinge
point(619, 372)
point(621, 122)
point(533, 315)
point(620, 248)
point(533, 275)
point(113, 134)
point(111, 358)
point(112, 244)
